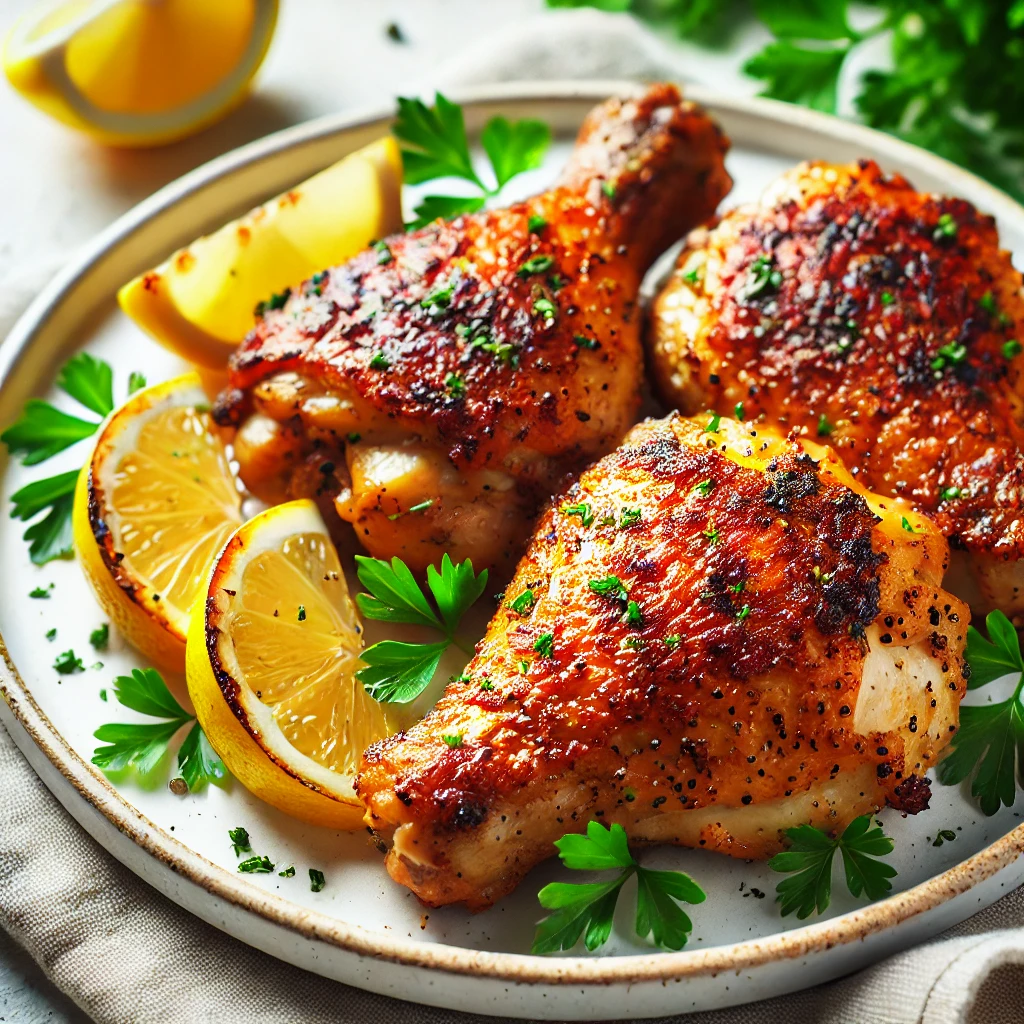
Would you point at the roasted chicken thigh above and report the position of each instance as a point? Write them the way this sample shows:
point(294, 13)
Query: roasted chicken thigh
point(716, 634)
point(848, 306)
point(439, 387)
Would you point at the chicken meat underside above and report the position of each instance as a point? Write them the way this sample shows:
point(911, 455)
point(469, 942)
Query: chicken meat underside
point(791, 657)
point(439, 387)
point(848, 306)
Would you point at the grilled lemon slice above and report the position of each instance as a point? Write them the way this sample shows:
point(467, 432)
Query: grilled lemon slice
point(153, 506)
point(200, 301)
point(272, 655)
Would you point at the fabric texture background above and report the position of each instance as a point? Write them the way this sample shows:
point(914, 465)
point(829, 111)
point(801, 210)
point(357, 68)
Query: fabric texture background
point(124, 953)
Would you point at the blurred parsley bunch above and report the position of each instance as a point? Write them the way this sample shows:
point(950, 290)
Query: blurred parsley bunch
point(956, 84)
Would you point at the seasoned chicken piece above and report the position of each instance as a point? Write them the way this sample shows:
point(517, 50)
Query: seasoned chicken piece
point(442, 385)
point(848, 305)
point(714, 636)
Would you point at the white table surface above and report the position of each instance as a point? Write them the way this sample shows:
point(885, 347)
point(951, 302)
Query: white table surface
point(327, 55)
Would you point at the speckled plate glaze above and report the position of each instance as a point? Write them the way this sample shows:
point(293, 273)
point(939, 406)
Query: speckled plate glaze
point(363, 929)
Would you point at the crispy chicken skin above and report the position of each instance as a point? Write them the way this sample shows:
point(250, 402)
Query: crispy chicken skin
point(848, 304)
point(791, 657)
point(442, 385)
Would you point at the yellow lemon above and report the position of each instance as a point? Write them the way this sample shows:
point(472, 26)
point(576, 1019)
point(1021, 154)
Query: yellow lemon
point(200, 301)
point(153, 506)
point(139, 72)
point(273, 648)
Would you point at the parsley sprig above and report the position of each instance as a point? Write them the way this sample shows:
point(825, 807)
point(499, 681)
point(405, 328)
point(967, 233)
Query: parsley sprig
point(810, 855)
point(398, 672)
point(142, 746)
point(991, 736)
point(587, 909)
point(434, 145)
point(948, 77)
point(43, 431)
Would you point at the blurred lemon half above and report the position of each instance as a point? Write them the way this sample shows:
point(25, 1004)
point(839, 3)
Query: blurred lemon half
point(272, 655)
point(153, 506)
point(138, 72)
point(200, 301)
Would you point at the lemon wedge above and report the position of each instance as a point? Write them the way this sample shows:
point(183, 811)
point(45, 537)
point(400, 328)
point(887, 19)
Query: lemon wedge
point(272, 655)
point(200, 301)
point(138, 72)
point(153, 506)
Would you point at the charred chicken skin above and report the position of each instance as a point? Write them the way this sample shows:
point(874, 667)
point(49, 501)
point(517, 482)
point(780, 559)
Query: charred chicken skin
point(715, 635)
point(848, 305)
point(439, 387)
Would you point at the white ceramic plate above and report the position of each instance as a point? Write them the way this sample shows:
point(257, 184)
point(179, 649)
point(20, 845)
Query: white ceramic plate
point(362, 928)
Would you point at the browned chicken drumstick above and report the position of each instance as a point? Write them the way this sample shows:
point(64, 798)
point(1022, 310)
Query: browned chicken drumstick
point(716, 635)
point(848, 306)
point(439, 387)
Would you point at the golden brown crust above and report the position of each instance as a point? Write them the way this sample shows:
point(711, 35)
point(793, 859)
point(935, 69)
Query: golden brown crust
point(762, 582)
point(892, 321)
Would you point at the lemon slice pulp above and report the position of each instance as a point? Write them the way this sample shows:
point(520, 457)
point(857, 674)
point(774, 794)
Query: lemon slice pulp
point(272, 656)
point(200, 301)
point(154, 504)
point(138, 72)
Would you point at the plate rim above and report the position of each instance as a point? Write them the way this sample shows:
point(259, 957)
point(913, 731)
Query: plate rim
point(172, 853)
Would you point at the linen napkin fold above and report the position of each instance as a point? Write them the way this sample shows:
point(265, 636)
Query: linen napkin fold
point(124, 953)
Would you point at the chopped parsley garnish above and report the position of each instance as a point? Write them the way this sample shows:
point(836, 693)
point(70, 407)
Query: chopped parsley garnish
point(536, 224)
point(888, 298)
point(353, 437)
point(99, 638)
point(587, 909)
point(68, 662)
point(379, 361)
point(486, 684)
point(610, 586)
point(672, 641)
point(544, 645)
point(950, 493)
point(609, 188)
point(136, 381)
point(695, 270)
point(951, 354)
point(946, 227)
point(434, 145)
point(1011, 348)
point(395, 671)
point(584, 342)
point(440, 298)
point(51, 634)
point(762, 277)
point(704, 488)
point(302, 613)
point(316, 880)
point(737, 588)
point(544, 307)
point(991, 736)
point(944, 835)
point(142, 746)
point(988, 303)
point(738, 411)
point(909, 526)
point(629, 517)
point(711, 533)
point(535, 265)
point(41, 593)
point(384, 255)
point(811, 853)
point(454, 741)
point(824, 426)
point(523, 603)
point(288, 872)
point(713, 424)
point(456, 385)
point(239, 841)
point(633, 616)
point(743, 613)
point(276, 301)
point(256, 866)
point(583, 510)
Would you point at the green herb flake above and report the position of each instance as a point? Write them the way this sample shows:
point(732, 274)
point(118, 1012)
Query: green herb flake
point(1011, 349)
point(288, 872)
point(704, 488)
point(536, 224)
point(384, 255)
point(711, 534)
point(544, 645)
point(523, 603)
point(302, 613)
point(950, 493)
point(545, 307)
point(453, 742)
point(256, 866)
point(888, 298)
point(51, 634)
point(909, 526)
point(582, 509)
point(316, 880)
point(68, 662)
point(455, 385)
point(535, 265)
point(739, 412)
point(609, 586)
point(99, 638)
point(41, 593)
point(743, 613)
point(633, 617)
point(672, 641)
point(136, 381)
point(629, 517)
point(946, 227)
point(379, 361)
point(713, 424)
point(582, 341)
point(762, 277)
point(239, 841)
point(825, 428)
